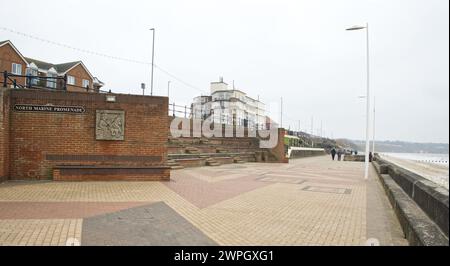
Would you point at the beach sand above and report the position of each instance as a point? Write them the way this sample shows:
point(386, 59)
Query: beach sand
point(437, 173)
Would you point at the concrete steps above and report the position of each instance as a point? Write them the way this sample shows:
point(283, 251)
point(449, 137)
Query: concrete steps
point(221, 150)
point(174, 164)
point(192, 150)
point(208, 159)
point(238, 160)
point(212, 162)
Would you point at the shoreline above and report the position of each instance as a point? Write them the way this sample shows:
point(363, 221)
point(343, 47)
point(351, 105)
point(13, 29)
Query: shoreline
point(435, 172)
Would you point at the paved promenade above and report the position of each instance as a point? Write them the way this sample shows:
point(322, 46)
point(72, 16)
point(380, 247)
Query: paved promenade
point(311, 201)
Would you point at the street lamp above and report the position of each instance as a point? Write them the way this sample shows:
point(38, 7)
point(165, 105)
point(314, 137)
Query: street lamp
point(373, 128)
point(168, 88)
point(366, 170)
point(153, 58)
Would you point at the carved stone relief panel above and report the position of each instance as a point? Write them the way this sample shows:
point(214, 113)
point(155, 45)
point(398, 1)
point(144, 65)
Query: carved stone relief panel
point(110, 125)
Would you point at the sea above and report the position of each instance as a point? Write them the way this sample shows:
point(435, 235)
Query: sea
point(432, 158)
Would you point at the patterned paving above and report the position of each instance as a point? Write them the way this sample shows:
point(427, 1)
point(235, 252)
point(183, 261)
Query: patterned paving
point(203, 193)
point(32, 232)
point(150, 225)
point(311, 201)
point(328, 190)
point(63, 210)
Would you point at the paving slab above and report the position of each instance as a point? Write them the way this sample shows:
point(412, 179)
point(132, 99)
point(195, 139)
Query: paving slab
point(150, 225)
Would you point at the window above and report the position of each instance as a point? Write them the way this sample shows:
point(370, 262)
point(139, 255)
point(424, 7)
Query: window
point(16, 69)
point(51, 82)
point(70, 80)
point(85, 83)
point(32, 79)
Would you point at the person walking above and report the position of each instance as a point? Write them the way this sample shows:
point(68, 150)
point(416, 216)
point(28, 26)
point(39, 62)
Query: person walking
point(333, 153)
point(339, 154)
point(370, 157)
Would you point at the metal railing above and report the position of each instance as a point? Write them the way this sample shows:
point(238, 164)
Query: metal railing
point(299, 133)
point(180, 110)
point(35, 81)
point(187, 112)
point(41, 82)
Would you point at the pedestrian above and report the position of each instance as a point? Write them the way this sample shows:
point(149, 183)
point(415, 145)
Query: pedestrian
point(339, 154)
point(333, 153)
point(370, 156)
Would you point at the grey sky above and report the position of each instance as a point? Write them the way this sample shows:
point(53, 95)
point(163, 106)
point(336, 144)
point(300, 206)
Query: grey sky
point(295, 49)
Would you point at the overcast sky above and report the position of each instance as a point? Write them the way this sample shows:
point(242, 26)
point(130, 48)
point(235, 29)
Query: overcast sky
point(298, 50)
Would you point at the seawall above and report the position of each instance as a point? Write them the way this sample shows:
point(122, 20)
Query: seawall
point(422, 206)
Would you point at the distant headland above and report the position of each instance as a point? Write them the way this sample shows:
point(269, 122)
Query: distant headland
point(398, 146)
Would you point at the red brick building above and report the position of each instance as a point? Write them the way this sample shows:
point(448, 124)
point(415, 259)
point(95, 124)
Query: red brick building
point(46, 75)
point(12, 61)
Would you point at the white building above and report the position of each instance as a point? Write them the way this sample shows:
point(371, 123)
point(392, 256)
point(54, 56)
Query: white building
point(229, 106)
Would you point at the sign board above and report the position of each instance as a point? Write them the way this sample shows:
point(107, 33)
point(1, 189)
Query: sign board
point(49, 108)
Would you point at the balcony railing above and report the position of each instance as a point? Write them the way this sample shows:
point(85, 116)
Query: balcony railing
point(30, 81)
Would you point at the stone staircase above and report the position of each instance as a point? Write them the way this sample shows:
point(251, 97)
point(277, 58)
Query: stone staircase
point(204, 141)
point(198, 152)
point(212, 162)
point(238, 159)
point(221, 150)
point(174, 164)
point(192, 150)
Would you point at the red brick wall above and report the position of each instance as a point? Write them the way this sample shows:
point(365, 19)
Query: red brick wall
point(278, 151)
point(178, 145)
point(8, 56)
point(41, 141)
point(4, 134)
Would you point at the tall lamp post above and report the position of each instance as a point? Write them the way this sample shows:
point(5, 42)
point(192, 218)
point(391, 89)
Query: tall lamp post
point(281, 113)
point(366, 169)
point(153, 58)
point(168, 88)
point(373, 128)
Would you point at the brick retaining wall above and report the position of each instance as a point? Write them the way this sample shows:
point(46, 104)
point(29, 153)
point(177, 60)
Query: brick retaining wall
point(40, 141)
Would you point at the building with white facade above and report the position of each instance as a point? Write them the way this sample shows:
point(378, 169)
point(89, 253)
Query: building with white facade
point(229, 106)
